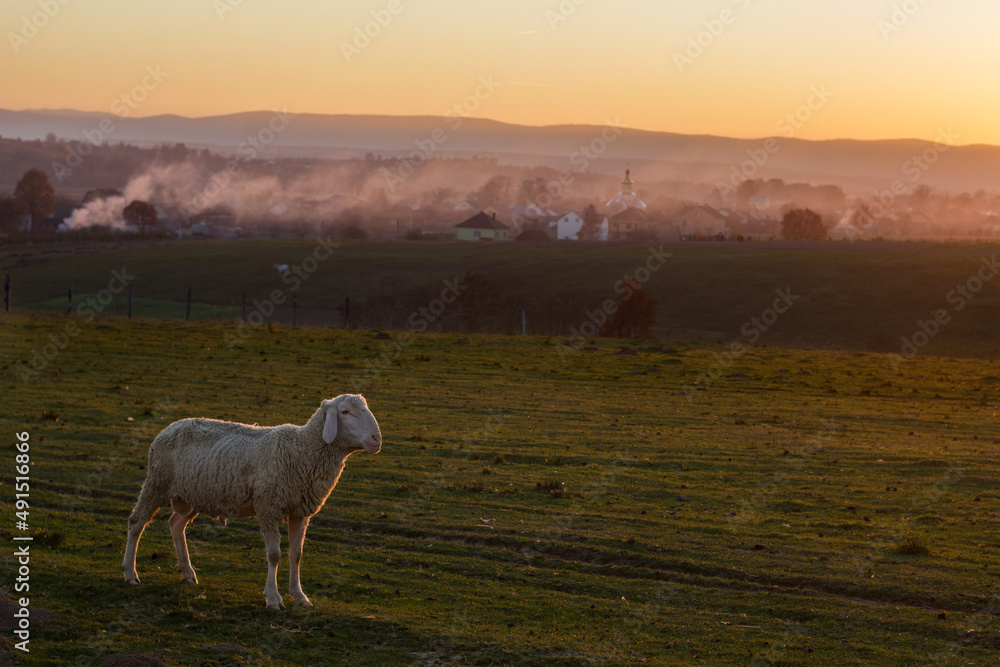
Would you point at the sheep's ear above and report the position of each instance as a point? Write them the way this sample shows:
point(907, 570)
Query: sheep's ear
point(330, 426)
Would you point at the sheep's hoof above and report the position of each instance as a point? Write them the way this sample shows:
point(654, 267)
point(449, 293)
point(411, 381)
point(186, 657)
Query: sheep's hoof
point(190, 578)
point(131, 577)
point(304, 601)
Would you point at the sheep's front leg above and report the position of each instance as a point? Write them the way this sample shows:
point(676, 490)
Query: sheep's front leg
point(296, 537)
point(182, 516)
point(272, 541)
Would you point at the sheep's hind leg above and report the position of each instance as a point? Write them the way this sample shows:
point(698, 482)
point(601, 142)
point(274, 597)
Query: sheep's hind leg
point(296, 537)
point(183, 515)
point(145, 508)
point(269, 525)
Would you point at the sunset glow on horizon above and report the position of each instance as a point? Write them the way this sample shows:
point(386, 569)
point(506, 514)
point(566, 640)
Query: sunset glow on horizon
point(857, 69)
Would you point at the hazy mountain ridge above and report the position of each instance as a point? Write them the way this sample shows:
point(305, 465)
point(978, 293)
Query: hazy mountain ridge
point(858, 165)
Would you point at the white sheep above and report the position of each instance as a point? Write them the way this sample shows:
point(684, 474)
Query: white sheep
point(282, 269)
point(226, 469)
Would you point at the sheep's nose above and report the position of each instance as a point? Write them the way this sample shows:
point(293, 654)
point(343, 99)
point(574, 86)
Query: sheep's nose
point(376, 443)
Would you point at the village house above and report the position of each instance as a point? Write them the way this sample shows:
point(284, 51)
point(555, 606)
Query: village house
point(529, 215)
point(482, 227)
point(699, 221)
point(570, 227)
point(632, 223)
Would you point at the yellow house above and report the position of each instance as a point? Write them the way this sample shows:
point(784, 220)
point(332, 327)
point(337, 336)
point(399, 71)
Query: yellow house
point(482, 227)
point(700, 221)
point(631, 223)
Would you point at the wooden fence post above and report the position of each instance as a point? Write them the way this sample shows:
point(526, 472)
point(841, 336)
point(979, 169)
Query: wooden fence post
point(69, 298)
point(188, 316)
point(130, 301)
point(295, 308)
point(244, 305)
point(347, 312)
point(6, 294)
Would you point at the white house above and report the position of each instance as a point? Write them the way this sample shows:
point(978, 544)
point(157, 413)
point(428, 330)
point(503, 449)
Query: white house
point(568, 227)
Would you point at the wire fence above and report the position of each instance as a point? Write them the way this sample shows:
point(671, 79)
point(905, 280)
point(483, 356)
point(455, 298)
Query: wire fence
point(571, 316)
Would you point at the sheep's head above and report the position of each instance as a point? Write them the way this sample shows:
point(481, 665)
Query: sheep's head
point(349, 421)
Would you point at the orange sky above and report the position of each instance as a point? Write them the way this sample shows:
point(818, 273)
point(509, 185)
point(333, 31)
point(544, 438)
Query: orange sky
point(725, 67)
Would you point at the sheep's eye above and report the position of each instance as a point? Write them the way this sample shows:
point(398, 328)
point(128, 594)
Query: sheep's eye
point(345, 412)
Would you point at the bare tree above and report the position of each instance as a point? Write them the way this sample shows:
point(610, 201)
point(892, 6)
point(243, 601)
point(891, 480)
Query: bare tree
point(803, 224)
point(496, 193)
point(533, 189)
point(35, 194)
point(140, 214)
point(591, 230)
point(635, 315)
point(11, 212)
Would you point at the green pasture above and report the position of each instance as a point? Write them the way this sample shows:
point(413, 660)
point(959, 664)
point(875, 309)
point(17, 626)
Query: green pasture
point(646, 502)
point(865, 297)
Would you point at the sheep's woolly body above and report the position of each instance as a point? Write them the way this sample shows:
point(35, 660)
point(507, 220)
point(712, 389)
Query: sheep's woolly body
point(226, 469)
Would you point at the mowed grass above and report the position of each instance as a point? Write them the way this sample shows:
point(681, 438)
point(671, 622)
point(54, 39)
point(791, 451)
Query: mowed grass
point(793, 507)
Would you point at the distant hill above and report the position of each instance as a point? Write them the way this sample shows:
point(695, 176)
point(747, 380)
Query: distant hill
point(859, 166)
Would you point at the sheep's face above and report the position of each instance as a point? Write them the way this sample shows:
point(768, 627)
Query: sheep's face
point(349, 421)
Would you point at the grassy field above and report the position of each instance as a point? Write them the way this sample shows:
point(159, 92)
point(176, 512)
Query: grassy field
point(664, 503)
point(863, 297)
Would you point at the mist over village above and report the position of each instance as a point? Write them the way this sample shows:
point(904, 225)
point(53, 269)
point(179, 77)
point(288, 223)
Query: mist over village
point(383, 332)
point(262, 187)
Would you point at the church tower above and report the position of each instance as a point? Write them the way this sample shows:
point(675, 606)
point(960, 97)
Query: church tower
point(627, 198)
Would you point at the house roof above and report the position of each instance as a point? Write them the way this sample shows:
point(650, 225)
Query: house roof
point(630, 214)
point(482, 221)
point(699, 208)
